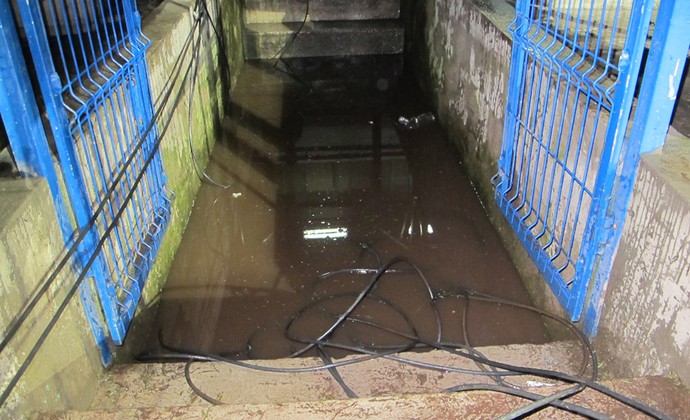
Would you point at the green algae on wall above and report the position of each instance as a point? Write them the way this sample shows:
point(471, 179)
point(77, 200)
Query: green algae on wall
point(220, 59)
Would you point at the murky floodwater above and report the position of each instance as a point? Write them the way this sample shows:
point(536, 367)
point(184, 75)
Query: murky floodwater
point(323, 180)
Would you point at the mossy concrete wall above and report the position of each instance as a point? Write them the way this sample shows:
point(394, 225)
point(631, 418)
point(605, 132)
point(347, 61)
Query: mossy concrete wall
point(168, 27)
point(65, 372)
point(460, 51)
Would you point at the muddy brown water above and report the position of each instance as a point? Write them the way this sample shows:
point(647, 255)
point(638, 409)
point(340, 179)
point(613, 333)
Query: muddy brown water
point(306, 162)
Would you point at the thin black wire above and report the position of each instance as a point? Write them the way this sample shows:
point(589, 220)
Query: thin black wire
point(589, 355)
point(366, 291)
point(12, 330)
point(204, 16)
point(197, 390)
point(335, 374)
point(85, 270)
point(278, 57)
point(542, 402)
point(466, 336)
point(573, 408)
point(465, 351)
point(550, 374)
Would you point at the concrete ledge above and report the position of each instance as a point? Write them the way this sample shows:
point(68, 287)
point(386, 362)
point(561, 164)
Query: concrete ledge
point(164, 385)
point(666, 397)
point(277, 11)
point(321, 39)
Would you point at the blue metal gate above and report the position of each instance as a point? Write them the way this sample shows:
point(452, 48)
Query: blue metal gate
point(88, 58)
point(574, 70)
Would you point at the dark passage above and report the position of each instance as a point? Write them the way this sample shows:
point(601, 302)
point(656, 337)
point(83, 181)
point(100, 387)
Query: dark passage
point(325, 180)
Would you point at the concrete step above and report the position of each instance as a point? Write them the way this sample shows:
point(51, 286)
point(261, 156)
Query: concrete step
point(380, 72)
point(281, 11)
point(323, 39)
point(660, 393)
point(164, 385)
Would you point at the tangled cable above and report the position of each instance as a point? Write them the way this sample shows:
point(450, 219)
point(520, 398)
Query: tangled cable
point(586, 376)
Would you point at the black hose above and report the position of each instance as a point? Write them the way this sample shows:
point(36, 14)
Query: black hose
point(496, 369)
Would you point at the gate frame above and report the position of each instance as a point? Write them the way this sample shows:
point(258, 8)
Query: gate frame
point(614, 178)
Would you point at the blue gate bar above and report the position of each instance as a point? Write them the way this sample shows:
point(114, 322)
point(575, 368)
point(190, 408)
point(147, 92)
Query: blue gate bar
point(94, 81)
point(567, 89)
point(667, 57)
point(668, 54)
point(30, 147)
point(597, 241)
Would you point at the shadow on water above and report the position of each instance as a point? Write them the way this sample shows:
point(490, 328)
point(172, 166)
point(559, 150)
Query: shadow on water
point(318, 170)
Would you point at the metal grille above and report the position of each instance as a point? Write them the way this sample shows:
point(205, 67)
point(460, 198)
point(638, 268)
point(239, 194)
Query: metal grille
point(90, 62)
point(569, 103)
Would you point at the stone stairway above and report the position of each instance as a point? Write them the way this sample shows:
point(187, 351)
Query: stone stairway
point(321, 28)
point(385, 389)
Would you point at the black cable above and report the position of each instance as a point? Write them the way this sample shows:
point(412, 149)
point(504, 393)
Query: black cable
point(317, 302)
point(184, 355)
point(278, 57)
point(12, 330)
point(573, 408)
point(115, 221)
point(589, 355)
point(335, 374)
point(452, 348)
point(466, 337)
point(517, 369)
point(358, 300)
point(542, 402)
point(197, 390)
point(394, 355)
point(643, 408)
point(203, 15)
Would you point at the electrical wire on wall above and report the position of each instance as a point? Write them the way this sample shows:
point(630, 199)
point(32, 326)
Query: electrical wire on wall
point(202, 13)
point(500, 373)
point(278, 56)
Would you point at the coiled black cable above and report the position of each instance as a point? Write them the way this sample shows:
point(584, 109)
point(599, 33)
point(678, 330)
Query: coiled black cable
point(488, 368)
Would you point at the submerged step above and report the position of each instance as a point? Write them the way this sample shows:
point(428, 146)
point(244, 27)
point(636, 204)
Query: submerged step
point(277, 11)
point(322, 39)
point(164, 385)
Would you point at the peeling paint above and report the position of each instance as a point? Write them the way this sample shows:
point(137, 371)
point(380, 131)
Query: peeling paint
point(672, 94)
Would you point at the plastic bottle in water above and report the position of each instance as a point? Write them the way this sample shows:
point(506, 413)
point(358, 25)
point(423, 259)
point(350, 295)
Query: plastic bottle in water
point(416, 122)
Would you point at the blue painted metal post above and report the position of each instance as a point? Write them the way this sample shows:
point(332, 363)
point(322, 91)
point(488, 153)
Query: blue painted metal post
point(34, 154)
point(663, 73)
point(518, 63)
point(19, 111)
point(665, 63)
point(600, 223)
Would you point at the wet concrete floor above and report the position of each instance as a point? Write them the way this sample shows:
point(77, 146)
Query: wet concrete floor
point(323, 179)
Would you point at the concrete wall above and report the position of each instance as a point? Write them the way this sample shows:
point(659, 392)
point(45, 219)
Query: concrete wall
point(460, 51)
point(645, 325)
point(168, 27)
point(68, 364)
point(65, 372)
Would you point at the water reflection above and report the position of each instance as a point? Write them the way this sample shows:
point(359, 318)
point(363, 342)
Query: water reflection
point(324, 182)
